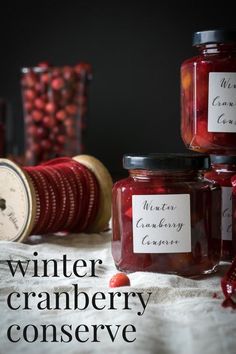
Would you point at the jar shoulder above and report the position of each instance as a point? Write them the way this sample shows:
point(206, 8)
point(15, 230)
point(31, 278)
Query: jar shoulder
point(161, 186)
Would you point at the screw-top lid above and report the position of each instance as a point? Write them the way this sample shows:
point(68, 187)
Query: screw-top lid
point(166, 161)
point(214, 36)
point(223, 159)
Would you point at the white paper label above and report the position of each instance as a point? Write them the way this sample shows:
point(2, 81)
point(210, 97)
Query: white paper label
point(161, 223)
point(222, 102)
point(226, 213)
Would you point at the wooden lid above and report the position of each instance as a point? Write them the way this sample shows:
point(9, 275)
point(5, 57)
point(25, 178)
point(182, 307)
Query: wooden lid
point(105, 183)
point(17, 202)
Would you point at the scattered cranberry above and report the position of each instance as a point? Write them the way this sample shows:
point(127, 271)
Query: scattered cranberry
point(119, 279)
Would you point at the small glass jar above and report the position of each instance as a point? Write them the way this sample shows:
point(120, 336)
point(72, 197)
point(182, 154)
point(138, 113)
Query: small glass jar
point(223, 169)
point(166, 217)
point(55, 101)
point(208, 94)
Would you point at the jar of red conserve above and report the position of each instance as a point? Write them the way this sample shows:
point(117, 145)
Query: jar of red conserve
point(208, 94)
point(166, 216)
point(223, 169)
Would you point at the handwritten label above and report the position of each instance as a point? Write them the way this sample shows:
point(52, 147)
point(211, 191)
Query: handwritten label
point(161, 223)
point(226, 213)
point(222, 102)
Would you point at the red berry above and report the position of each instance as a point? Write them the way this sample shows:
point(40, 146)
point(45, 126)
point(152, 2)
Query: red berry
point(50, 107)
point(28, 106)
point(61, 115)
point(30, 94)
point(57, 84)
point(67, 72)
point(45, 78)
point(30, 79)
point(41, 133)
point(44, 64)
point(37, 115)
point(61, 139)
point(39, 103)
point(49, 122)
point(71, 109)
point(119, 279)
point(32, 130)
point(46, 144)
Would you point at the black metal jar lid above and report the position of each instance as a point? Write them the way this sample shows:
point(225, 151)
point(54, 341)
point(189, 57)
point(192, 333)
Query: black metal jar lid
point(214, 36)
point(223, 159)
point(166, 161)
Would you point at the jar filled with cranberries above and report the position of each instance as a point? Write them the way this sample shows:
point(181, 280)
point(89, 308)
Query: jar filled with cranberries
point(55, 102)
point(223, 169)
point(166, 216)
point(208, 94)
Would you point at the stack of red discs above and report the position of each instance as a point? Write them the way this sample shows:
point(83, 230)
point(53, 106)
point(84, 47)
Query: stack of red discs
point(67, 196)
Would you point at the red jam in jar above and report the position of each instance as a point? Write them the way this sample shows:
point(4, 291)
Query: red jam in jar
point(233, 180)
point(223, 169)
point(166, 216)
point(2, 127)
point(208, 94)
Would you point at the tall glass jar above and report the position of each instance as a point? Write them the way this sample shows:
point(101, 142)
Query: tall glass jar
point(223, 169)
point(166, 217)
point(208, 94)
point(55, 101)
point(233, 181)
point(2, 127)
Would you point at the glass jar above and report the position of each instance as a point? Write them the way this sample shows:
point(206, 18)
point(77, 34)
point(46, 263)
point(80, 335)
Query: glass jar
point(223, 169)
point(208, 94)
point(55, 104)
point(233, 181)
point(2, 127)
point(166, 217)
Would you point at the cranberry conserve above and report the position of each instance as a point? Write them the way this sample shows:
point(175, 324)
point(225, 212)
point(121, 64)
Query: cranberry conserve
point(166, 216)
point(223, 169)
point(208, 94)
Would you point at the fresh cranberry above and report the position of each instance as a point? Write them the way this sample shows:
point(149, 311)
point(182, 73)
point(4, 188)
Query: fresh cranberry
point(50, 107)
point(39, 103)
point(119, 279)
point(58, 83)
point(37, 115)
point(61, 115)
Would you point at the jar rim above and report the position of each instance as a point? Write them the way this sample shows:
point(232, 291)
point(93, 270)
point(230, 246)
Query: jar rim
point(223, 159)
point(214, 36)
point(166, 161)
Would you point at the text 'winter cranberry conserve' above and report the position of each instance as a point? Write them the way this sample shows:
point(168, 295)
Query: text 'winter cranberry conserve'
point(208, 94)
point(166, 216)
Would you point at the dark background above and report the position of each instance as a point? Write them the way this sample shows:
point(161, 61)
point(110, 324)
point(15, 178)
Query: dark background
point(135, 48)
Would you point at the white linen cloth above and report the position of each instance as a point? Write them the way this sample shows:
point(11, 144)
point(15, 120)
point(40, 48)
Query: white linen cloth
point(183, 315)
